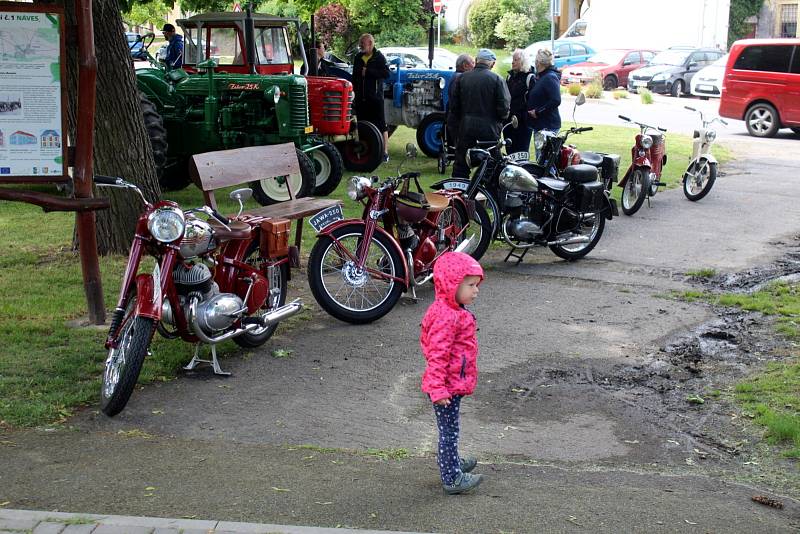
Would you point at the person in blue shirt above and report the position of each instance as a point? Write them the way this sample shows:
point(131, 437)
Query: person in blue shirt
point(174, 58)
point(545, 96)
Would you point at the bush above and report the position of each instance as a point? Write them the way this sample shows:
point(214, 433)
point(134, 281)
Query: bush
point(574, 89)
point(333, 27)
point(540, 30)
point(482, 20)
point(594, 90)
point(514, 29)
point(405, 35)
point(620, 93)
point(646, 96)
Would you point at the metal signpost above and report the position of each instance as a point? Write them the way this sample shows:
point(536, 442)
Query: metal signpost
point(437, 8)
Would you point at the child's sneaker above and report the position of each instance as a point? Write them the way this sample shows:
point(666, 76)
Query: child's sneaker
point(386, 158)
point(468, 463)
point(463, 483)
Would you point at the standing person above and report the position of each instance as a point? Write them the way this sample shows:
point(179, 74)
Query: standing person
point(520, 79)
point(481, 104)
point(545, 97)
point(369, 71)
point(450, 347)
point(174, 58)
point(464, 63)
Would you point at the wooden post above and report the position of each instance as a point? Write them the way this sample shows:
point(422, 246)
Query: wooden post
point(84, 170)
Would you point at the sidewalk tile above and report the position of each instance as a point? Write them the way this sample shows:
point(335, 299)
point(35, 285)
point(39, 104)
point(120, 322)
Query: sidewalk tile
point(160, 522)
point(168, 531)
point(121, 529)
point(47, 527)
point(79, 529)
point(17, 524)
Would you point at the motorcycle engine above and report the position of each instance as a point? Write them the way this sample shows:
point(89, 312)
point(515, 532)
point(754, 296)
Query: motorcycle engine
point(527, 220)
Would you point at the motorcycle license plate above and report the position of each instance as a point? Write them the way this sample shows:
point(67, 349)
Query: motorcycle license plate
point(461, 186)
point(519, 156)
point(639, 83)
point(326, 217)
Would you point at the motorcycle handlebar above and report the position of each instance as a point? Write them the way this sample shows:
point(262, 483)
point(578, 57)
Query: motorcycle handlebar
point(220, 217)
point(107, 180)
point(623, 117)
point(661, 129)
point(690, 108)
point(583, 129)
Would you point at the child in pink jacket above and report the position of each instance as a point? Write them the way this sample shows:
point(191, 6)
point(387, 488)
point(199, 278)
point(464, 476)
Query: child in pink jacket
point(451, 349)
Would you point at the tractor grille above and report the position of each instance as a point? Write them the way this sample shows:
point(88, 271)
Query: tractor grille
point(333, 105)
point(298, 100)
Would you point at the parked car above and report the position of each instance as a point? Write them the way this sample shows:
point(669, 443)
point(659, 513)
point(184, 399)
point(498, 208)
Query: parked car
point(671, 71)
point(566, 52)
point(416, 57)
point(610, 66)
point(136, 46)
point(708, 81)
point(761, 85)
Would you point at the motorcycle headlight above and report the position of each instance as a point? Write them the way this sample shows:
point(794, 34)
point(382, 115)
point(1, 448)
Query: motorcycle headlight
point(538, 140)
point(355, 189)
point(475, 156)
point(647, 141)
point(166, 224)
point(710, 136)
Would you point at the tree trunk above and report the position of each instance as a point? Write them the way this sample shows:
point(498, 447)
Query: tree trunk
point(121, 145)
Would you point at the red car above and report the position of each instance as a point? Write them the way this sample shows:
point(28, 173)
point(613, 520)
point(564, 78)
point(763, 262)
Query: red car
point(761, 85)
point(611, 66)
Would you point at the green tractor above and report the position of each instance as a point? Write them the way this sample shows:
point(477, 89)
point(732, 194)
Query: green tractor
point(220, 101)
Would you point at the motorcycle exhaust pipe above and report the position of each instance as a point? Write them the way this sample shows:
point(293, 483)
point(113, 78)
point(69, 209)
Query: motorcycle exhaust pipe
point(578, 239)
point(275, 316)
point(250, 323)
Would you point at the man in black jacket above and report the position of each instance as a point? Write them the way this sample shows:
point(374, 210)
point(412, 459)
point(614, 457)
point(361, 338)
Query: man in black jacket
point(464, 63)
point(481, 102)
point(369, 71)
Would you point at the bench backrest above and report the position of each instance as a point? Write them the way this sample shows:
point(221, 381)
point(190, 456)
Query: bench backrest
point(224, 168)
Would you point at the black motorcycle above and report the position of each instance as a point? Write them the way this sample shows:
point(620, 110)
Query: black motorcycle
point(530, 207)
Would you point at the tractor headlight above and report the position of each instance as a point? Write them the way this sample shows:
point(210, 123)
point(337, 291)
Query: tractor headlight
point(647, 141)
point(166, 224)
point(276, 94)
point(710, 136)
point(355, 189)
point(442, 83)
point(538, 140)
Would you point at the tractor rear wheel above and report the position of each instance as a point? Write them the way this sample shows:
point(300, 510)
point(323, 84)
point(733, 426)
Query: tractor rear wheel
point(171, 176)
point(365, 154)
point(273, 190)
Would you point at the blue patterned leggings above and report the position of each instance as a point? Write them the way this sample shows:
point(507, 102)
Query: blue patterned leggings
point(447, 419)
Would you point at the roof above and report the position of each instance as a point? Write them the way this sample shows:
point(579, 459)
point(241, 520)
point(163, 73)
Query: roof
point(237, 16)
point(784, 41)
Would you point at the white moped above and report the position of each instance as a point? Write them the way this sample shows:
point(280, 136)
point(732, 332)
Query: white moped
point(702, 171)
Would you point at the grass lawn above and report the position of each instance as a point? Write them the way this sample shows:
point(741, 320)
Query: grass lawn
point(48, 368)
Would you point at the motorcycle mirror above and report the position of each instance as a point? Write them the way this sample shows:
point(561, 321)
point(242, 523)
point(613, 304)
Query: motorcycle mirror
point(241, 195)
point(514, 121)
point(580, 100)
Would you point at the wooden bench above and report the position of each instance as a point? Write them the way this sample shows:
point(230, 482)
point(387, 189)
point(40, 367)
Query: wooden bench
point(225, 168)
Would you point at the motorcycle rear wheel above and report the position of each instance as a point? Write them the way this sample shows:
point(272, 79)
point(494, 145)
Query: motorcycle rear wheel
point(124, 363)
point(635, 191)
point(578, 251)
point(277, 280)
point(350, 295)
point(699, 179)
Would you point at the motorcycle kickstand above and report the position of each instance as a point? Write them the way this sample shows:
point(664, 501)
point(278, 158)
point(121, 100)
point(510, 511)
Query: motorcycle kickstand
point(519, 257)
point(213, 361)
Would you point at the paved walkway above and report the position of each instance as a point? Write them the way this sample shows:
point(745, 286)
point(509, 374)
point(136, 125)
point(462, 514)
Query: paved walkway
point(15, 521)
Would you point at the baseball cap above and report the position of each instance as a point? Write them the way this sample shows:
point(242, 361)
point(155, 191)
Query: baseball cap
point(486, 54)
point(168, 28)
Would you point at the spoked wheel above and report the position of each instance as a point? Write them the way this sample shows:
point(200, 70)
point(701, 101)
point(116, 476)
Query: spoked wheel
point(479, 230)
point(349, 293)
point(277, 276)
point(635, 191)
point(124, 363)
point(327, 168)
point(272, 190)
point(699, 178)
point(365, 154)
point(591, 227)
point(429, 134)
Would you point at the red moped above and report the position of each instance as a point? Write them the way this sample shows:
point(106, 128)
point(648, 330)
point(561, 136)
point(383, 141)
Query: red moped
point(357, 269)
point(214, 279)
point(648, 158)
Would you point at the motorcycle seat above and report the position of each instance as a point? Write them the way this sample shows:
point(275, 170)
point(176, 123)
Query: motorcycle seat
point(591, 158)
point(580, 173)
point(437, 202)
point(238, 230)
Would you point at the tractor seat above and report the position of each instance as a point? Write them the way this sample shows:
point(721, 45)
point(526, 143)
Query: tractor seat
point(580, 174)
point(238, 230)
point(591, 158)
point(437, 202)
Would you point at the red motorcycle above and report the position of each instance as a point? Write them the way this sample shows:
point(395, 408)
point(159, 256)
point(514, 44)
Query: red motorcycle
point(358, 269)
point(643, 177)
point(213, 280)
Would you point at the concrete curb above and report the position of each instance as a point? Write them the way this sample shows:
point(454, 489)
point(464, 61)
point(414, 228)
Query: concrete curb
point(39, 522)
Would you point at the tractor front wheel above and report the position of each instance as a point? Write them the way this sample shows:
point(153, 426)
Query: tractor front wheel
point(276, 189)
point(328, 169)
point(365, 154)
point(429, 134)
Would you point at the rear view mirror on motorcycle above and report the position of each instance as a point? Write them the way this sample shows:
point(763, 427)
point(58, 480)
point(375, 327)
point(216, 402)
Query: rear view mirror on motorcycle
point(241, 195)
point(580, 100)
point(514, 121)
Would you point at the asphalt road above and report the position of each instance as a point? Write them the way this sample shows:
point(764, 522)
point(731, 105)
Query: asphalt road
point(339, 434)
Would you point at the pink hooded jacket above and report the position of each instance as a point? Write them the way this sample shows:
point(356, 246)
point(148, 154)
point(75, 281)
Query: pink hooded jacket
point(448, 337)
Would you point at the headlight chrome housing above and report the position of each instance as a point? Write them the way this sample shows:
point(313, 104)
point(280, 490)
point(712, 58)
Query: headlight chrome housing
point(442, 83)
point(646, 141)
point(355, 189)
point(475, 156)
point(166, 224)
point(538, 140)
point(276, 94)
point(710, 136)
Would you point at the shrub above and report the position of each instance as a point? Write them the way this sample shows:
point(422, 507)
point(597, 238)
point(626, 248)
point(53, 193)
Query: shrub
point(404, 35)
point(482, 20)
point(333, 26)
point(514, 29)
point(646, 96)
point(574, 89)
point(594, 90)
point(540, 30)
point(620, 93)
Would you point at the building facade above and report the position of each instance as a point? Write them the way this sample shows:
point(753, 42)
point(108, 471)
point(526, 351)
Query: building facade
point(778, 18)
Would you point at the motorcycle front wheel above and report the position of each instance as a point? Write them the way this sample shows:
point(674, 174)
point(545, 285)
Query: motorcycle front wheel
point(592, 227)
point(350, 294)
point(479, 230)
point(699, 178)
point(277, 276)
point(635, 191)
point(124, 363)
